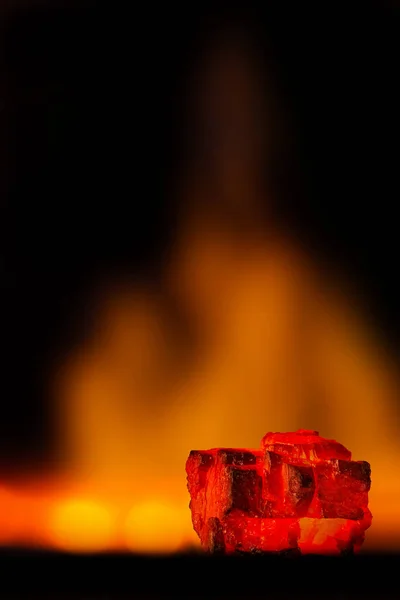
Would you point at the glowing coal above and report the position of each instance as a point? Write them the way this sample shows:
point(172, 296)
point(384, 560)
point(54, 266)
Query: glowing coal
point(299, 492)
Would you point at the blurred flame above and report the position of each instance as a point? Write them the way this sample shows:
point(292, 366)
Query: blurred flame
point(128, 425)
point(275, 347)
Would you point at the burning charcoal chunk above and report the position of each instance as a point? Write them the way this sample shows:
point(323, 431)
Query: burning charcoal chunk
point(299, 493)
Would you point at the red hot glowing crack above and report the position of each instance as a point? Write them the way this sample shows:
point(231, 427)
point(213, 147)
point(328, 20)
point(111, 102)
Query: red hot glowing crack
point(299, 492)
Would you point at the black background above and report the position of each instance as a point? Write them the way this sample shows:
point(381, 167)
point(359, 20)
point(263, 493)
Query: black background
point(49, 575)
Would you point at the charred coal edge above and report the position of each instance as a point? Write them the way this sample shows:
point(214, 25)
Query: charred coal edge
point(357, 471)
point(240, 501)
point(239, 457)
point(202, 461)
point(205, 457)
point(216, 542)
point(305, 476)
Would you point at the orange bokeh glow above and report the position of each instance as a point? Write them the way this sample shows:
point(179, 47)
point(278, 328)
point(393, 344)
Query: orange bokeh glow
point(155, 527)
point(62, 513)
point(81, 525)
point(128, 422)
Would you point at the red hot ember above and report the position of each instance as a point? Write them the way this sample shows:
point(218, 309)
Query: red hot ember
point(299, 492)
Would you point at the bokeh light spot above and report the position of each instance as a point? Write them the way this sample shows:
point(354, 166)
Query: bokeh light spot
point(154, 526)
point(81, 526)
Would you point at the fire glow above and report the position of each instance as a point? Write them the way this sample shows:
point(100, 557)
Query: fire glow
point(270, 339)
point(122, 483)
point(125, 439)
point(59, 513)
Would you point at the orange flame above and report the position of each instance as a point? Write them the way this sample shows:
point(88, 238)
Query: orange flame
point(127, 437)
point(272, 346)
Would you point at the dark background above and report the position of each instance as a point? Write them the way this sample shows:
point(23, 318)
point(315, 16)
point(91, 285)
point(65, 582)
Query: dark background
point(89, 114)
point(199, 576)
